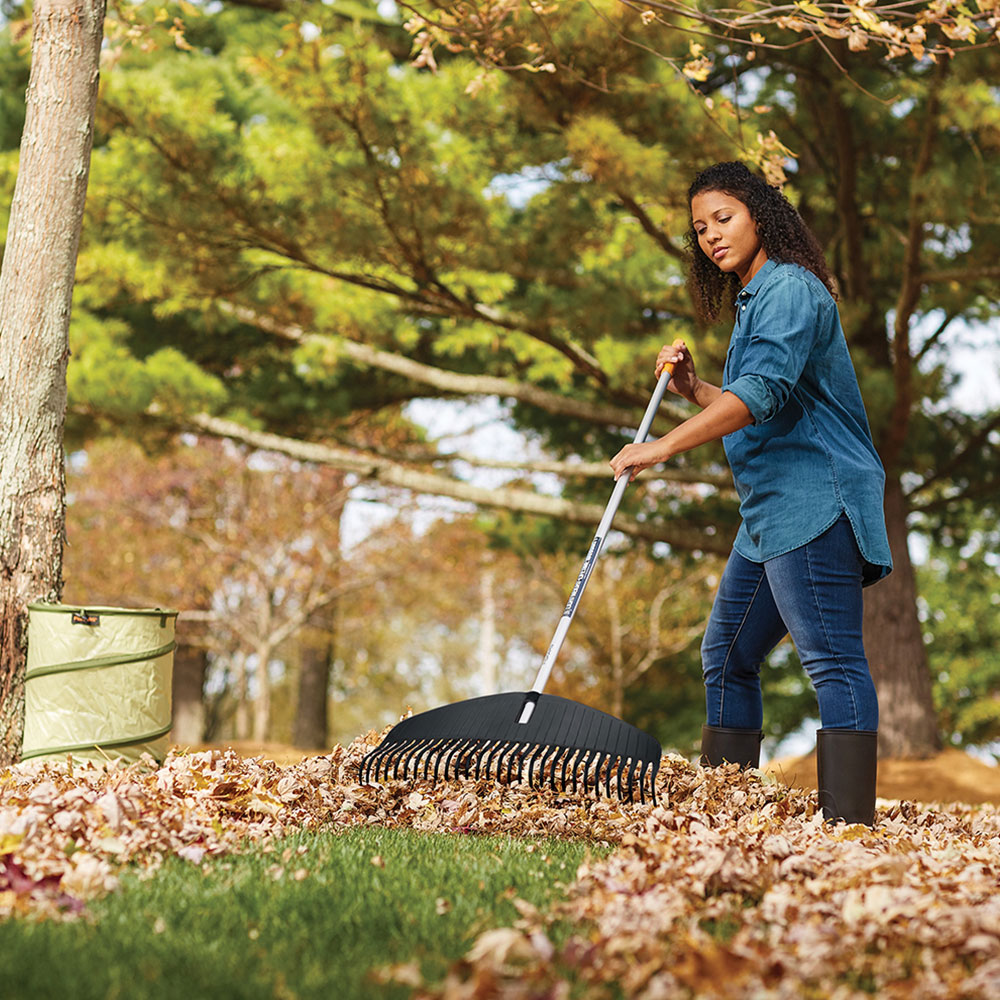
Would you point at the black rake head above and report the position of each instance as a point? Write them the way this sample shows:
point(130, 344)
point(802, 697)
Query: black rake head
point(564, 744)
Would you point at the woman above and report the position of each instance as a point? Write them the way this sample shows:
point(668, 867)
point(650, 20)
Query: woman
point(809, 480)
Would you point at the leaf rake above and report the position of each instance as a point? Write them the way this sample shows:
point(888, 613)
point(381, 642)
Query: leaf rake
point(528, 735)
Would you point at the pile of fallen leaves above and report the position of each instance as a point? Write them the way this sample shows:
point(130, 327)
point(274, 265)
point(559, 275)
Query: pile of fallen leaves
point(732, 886)
point(67, 829)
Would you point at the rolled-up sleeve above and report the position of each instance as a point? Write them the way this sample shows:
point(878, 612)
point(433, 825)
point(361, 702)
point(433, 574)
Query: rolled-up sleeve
point(785, 325)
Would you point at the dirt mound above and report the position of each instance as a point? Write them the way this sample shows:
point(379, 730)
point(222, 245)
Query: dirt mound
point(951, 776)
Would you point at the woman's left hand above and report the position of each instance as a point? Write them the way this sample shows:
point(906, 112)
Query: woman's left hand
point(637, 457)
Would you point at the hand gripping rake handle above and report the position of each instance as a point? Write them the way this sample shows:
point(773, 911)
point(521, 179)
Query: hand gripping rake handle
point(562, 628)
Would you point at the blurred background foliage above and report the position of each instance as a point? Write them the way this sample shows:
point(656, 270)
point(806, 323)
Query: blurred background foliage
point(269, 184)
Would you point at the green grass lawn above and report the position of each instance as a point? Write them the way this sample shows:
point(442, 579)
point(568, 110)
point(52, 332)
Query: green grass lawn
point(235, 930)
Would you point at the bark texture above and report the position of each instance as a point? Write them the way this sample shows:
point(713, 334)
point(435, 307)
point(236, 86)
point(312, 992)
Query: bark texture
point(36, 287)
point(190, 665)
point(895, 648)
point(311, 725)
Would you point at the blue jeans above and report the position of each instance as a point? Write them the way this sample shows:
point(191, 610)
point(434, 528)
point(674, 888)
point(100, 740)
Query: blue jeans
point(812, 593)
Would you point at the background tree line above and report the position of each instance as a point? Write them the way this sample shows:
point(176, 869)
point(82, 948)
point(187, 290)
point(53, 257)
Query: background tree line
point(294, 229)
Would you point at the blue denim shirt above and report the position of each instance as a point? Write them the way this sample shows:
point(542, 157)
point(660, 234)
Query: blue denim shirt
point(808, 456)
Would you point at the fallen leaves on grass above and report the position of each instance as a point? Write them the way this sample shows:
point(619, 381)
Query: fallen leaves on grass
point(65, 831)
point(736, 888)
point(731, 887)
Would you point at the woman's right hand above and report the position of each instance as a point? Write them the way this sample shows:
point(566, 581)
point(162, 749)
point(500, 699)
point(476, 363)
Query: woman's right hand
point(683, 379)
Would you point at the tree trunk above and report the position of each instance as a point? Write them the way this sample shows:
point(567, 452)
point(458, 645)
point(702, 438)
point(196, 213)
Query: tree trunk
point(487, 649)
point(190, 665)
point(262, 703)
point(242, 719)
point(36, 288)
point(895, 647)
point(311, 726)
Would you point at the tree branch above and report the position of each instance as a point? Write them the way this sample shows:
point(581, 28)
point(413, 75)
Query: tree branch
point(972, 450)
point(392, 473)
point(959, 274)
point(935, 336)
point(595, 470)
point(650, 227)
point(909, 292)
point(446, 381)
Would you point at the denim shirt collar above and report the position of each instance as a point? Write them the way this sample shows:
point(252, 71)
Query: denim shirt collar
point(755, 284)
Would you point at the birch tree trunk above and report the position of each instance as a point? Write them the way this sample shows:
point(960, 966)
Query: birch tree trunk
point(36, 288)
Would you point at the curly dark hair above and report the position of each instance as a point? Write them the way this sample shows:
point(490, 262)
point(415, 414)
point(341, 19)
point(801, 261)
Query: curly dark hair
point(783, 234)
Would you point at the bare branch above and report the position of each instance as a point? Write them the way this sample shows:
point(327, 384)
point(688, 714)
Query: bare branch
point(391, 473)
point(595, 470)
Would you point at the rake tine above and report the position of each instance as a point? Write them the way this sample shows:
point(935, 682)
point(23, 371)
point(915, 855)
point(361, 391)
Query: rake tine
point(536, 776)
point(376, 757)
point(529, 757)
point(608, 765)
point(515, 757)
point(502, 759)
point(599, 770)
point(452, 755)
point(652, 782)
point(443, 750)
point(529, 760)
point(595, 770)
point(559, 751)
point(478, 757)
point(423, 757)
point(585, 764)
point(630, 771)
point(446, 757)
point(618, 777)
point(463, 763)
point(432, 755)
point(535, 759)
point(500, 751)
point(382, 763)
point(395, 755)
point(484, 756)
point(490, 766)
point(570, 755)
point(523, 755)
point(416, 749)
point(540, 758)
point(547, 760)
point(370, 762)
point(497, 747)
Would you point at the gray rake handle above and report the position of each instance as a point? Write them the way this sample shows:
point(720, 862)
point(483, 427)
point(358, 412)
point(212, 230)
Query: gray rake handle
point(541, 679)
